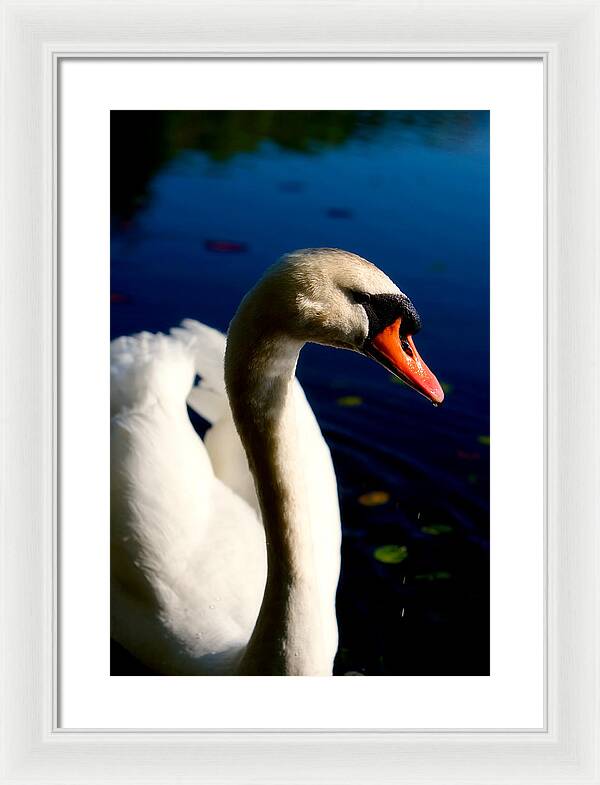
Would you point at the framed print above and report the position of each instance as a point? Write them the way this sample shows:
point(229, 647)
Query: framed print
point(173, 174)
point(415, 561)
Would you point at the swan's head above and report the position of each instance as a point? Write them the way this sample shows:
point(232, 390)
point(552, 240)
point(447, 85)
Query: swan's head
point(335, 298)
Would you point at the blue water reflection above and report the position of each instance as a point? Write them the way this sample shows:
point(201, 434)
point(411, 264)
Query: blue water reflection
point(200, 210)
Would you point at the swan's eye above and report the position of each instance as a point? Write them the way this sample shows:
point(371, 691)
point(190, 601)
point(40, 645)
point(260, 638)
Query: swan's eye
point(360, 297)
point(406, 346)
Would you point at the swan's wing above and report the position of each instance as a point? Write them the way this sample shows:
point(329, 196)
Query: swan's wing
point(207, 347)
point(180, 539)
point(147, 368)
point(194, 613)
point(161, 474)
point(209, 399)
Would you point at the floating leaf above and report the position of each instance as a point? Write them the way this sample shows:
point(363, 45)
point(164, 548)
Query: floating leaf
point(339, 212)
point(350, 400)
point(436, 528)
point(339, 383)
point(437, 267)
point(467, 456)
point(438, 575)
point(118, 298)
point(447, 387)
point(225, 246)
point(374, 498)
point(484, 440)
point(291, 186)
point(391, 554)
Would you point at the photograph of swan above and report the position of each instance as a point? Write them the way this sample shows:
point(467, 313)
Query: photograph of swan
point(256, 530)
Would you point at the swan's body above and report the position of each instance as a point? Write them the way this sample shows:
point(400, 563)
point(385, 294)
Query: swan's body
point(207, 576)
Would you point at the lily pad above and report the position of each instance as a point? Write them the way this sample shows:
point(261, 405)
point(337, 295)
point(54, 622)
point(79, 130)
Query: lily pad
point(118, 297)
point(339, 212)
point(225, 246)
point(374, 498)
point(437, 267)
point(349, 400)
point(291, 186)
point(391, 554)
point(438, 575)
point(466, 455)
point(436, 528)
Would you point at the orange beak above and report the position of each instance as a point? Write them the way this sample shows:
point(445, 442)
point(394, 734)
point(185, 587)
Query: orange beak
point(399, 355)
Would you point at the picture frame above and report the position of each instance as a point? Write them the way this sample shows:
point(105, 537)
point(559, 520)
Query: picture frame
point(565, 35)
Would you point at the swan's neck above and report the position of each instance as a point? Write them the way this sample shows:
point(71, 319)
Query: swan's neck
point(288, 638)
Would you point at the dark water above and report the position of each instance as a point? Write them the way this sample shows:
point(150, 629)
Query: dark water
point(203, 202)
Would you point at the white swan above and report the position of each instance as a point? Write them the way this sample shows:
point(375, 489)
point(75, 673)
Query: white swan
point(196, 586)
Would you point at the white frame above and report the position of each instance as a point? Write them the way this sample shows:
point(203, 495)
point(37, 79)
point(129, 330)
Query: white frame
point(34, 36)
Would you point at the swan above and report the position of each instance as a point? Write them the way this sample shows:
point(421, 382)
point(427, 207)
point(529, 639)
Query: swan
point(225, 553)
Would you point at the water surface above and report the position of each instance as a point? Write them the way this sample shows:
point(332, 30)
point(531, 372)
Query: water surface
point(202, 203)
